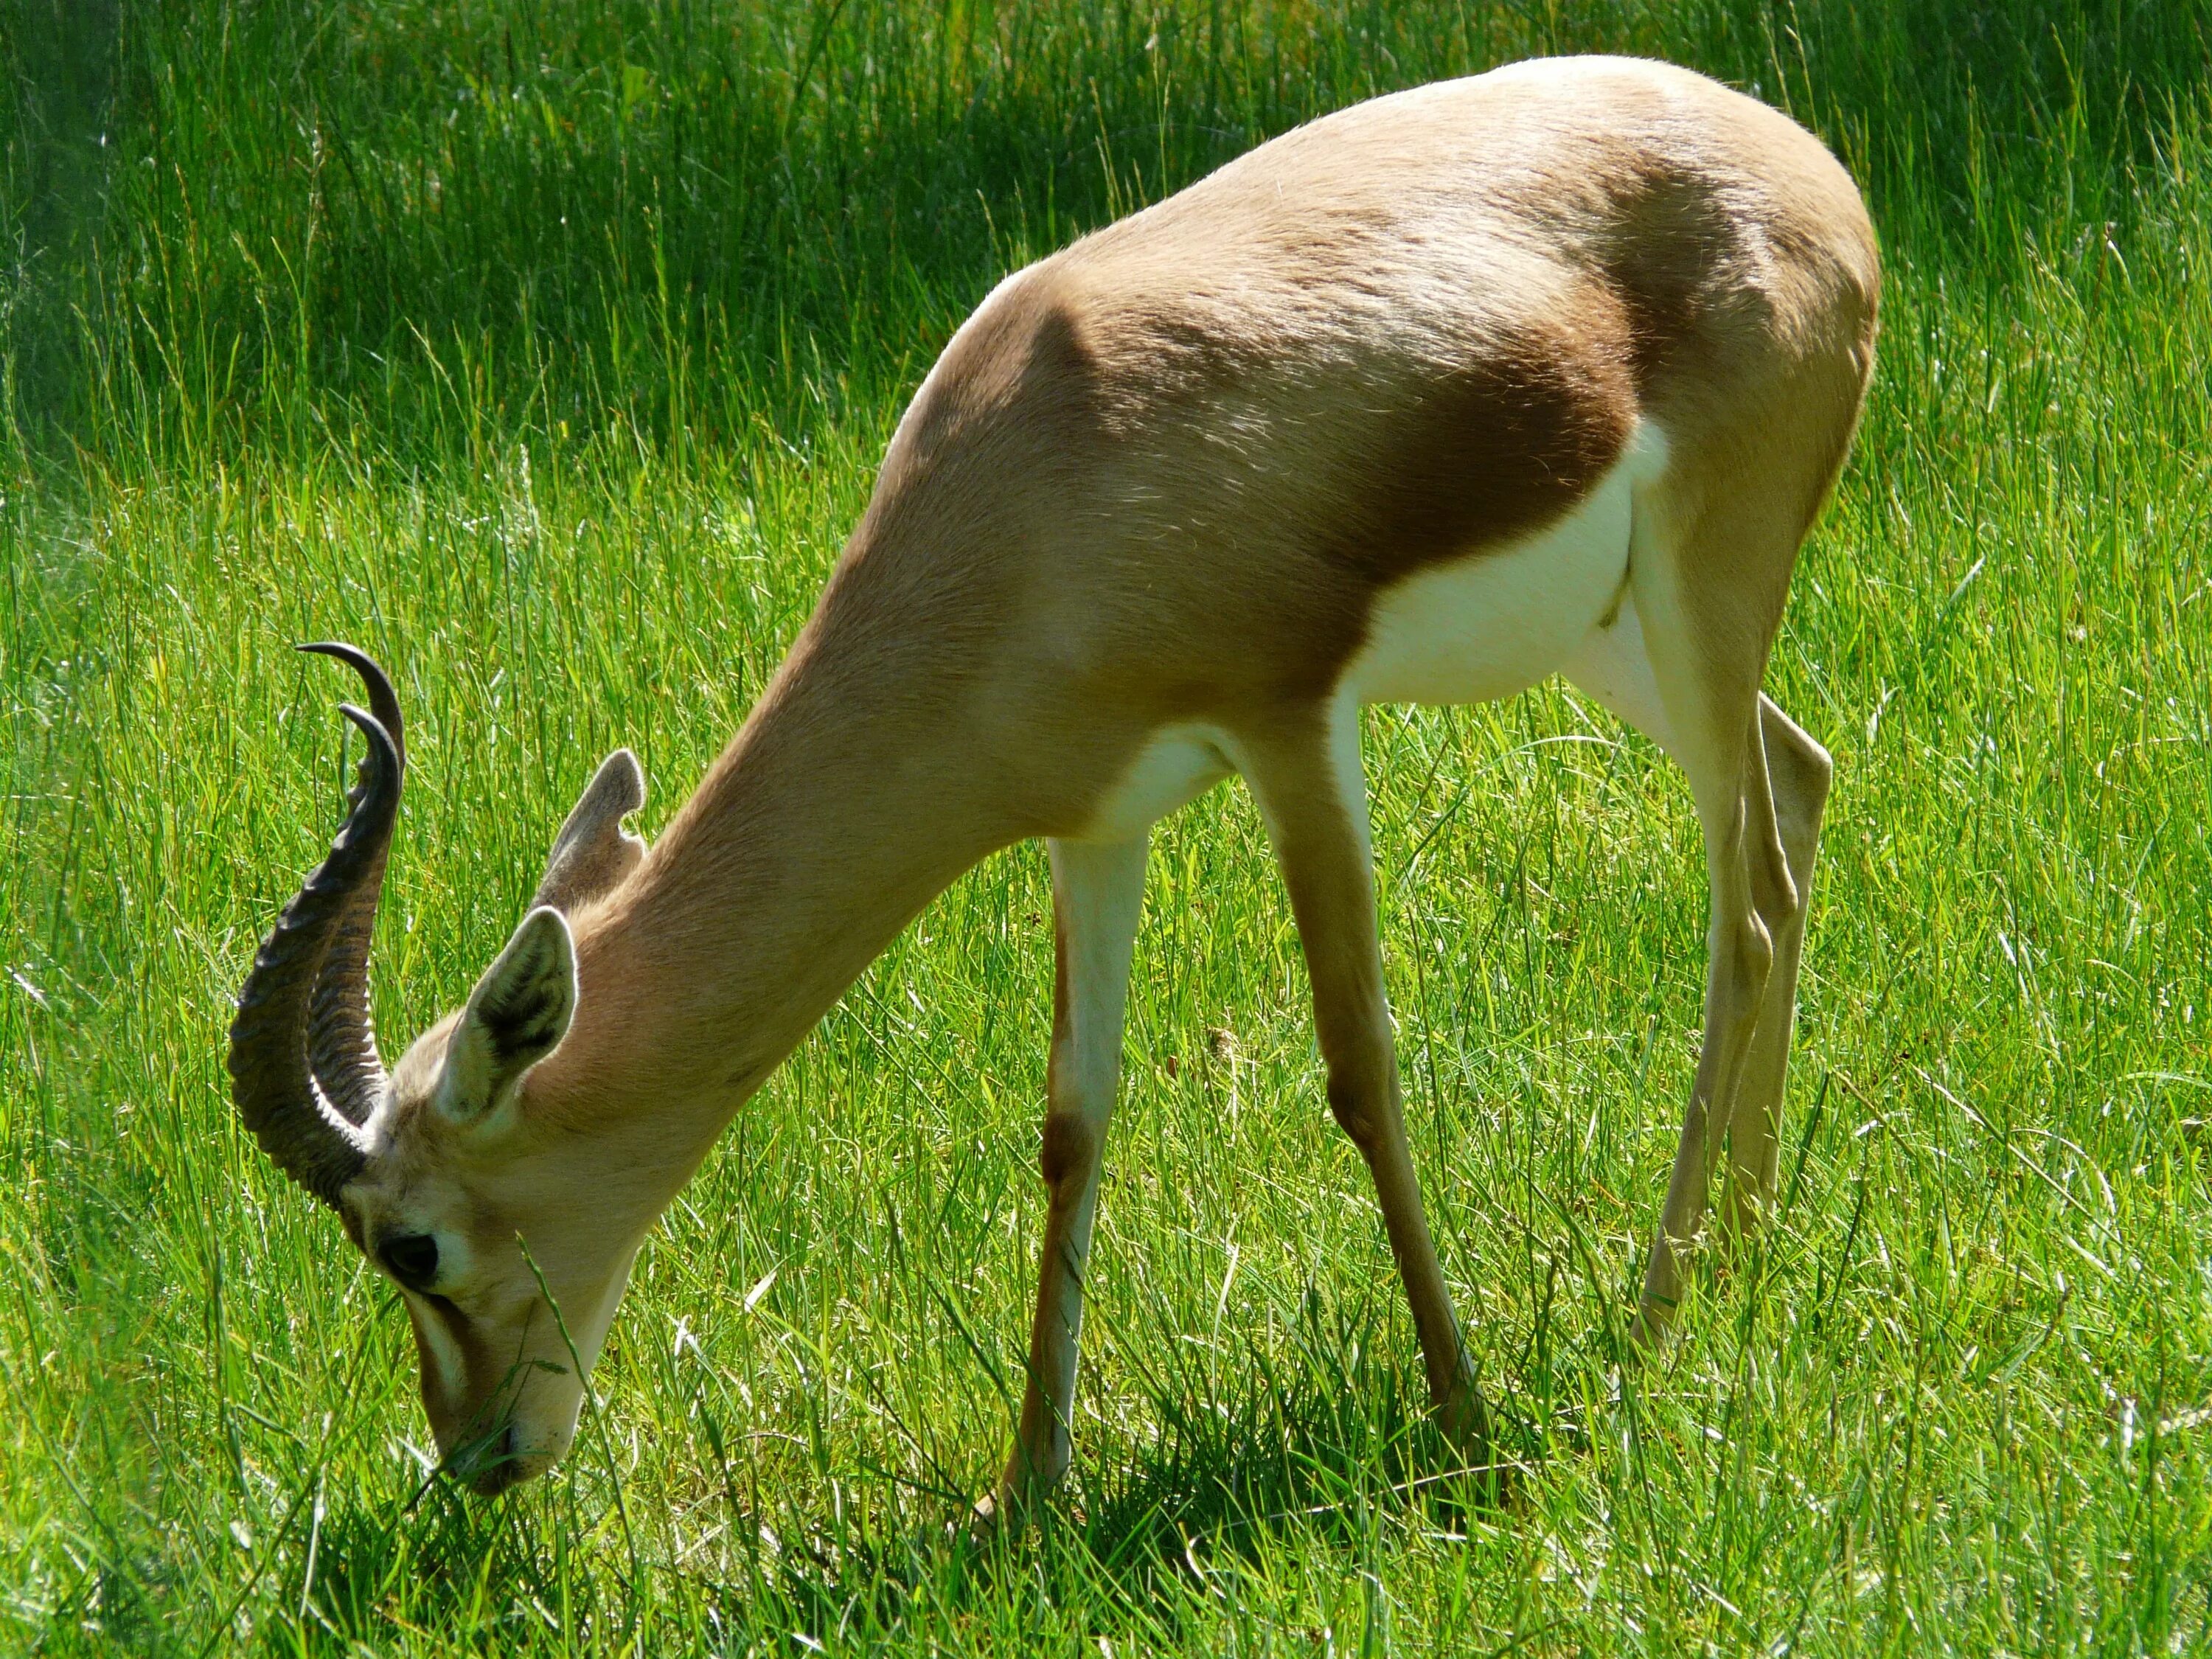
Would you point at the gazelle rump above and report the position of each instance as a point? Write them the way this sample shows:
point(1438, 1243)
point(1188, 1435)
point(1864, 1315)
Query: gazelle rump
point(1546, 371)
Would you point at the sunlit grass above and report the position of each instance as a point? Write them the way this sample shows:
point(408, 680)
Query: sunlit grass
point(548, 349)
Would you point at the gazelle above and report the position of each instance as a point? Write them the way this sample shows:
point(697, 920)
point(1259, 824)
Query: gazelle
point(1546, 371)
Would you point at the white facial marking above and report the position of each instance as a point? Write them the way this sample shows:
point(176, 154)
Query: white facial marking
point(445, 1354)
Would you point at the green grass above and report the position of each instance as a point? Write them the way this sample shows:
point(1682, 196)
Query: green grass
point(546, 347)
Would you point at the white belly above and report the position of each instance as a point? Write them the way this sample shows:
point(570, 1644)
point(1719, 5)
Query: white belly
point(1478, 629)
point(1496, 623)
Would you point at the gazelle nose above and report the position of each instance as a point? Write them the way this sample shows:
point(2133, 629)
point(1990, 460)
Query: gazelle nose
point(500, 1469)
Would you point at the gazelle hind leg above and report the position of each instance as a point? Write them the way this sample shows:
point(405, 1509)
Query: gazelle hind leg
point(1614, 667)
point(1306, 780)
point(1705, 656)
point(1097, 894)
point(1799, 772)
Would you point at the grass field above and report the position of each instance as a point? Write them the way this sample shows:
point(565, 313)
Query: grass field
point(546, 347)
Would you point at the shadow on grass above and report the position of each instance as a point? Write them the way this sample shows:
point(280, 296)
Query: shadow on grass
point(1333, 1442)
point(1339, 1434)
point(744, 187)
point(1326, 1443)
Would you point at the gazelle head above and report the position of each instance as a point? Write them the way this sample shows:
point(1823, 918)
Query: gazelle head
point(442, 1175)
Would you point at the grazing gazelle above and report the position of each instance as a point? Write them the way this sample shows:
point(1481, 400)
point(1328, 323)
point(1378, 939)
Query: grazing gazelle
point(1543, 372)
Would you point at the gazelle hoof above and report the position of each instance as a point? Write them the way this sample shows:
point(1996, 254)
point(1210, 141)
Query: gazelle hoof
point(989, 1519)
point(1465, 1421)
point(1009, 1508)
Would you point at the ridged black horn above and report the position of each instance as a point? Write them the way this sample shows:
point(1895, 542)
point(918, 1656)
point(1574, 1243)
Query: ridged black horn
point(304, 1067)
point(341, 1037)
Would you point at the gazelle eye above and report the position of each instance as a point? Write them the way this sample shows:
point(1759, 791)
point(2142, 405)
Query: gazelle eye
point(412, 1259)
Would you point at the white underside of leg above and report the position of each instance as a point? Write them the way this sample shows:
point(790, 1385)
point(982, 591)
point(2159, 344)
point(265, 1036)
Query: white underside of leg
point(1611, 666)
point(1177, 765)
point(1099, 891)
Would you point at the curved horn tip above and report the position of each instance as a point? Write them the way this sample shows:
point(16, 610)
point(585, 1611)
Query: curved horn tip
point(381, 772)
point(381, 697)
point(372, 727)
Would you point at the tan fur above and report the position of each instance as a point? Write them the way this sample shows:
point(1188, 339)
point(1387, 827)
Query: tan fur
point(1161, 478)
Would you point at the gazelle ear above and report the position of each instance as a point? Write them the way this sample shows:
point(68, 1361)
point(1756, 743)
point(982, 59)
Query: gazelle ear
point(593, 853)
point(516, 1015)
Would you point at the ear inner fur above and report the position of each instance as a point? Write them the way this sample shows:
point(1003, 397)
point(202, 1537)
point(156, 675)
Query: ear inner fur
point(516, 1016)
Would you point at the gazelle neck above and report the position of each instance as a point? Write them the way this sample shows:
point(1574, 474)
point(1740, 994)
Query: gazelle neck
point(856, 791)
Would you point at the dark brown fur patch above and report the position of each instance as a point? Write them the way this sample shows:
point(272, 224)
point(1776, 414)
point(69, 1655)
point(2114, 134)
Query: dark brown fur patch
point(1481, 455)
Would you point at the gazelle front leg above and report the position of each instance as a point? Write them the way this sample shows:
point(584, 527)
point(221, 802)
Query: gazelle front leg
point(1097, 892)
point(1306, 780)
